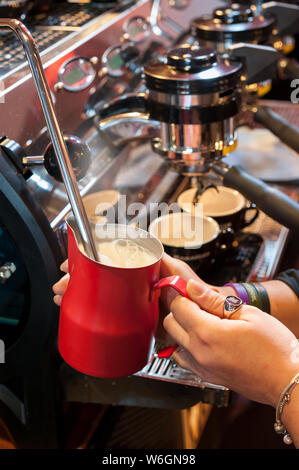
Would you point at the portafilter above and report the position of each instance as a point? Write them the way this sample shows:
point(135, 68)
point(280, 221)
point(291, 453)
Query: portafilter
point(188, 108)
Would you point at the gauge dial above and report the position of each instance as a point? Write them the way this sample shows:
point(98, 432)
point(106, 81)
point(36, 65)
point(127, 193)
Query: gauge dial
point(113, 62)
point(137, 29)
point(179, 4)
point(76, 74)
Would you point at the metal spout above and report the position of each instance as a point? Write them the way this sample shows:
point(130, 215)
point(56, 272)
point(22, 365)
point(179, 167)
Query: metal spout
point(44, 95)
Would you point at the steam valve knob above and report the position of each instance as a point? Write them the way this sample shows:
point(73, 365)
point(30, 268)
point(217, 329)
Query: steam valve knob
point(191, 58)
point(80, 157)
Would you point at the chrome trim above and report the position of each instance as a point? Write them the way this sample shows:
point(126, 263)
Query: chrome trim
point(154, 18)
point(35, 160)
point(192, 139)
point(187, 101)
point(123, 118)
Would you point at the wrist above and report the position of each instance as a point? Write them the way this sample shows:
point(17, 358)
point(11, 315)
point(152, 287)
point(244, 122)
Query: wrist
point(291, 407)
point(287, 412)
point(285, 376)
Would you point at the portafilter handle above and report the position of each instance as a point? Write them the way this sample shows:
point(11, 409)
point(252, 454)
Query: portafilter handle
point(289, 67)
point(56, 136)
point(287, 16)
point(270, 200)
point(288, 133)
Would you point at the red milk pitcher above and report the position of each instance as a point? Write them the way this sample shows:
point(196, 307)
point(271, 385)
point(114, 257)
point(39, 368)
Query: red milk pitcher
point(108, 314)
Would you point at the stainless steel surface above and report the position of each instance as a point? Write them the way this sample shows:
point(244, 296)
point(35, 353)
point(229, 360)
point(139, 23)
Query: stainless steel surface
point(190, 148)
point(56, 135)
point(23, 117)
point(170, 371)
point(34, 160)
point(186, 147)
point(186, 129)
point(186, 101)
point(118, 127)
point(179, 4)
point(155, 17)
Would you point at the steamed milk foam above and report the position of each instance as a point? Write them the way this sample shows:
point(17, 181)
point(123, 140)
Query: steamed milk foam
point(123, 253)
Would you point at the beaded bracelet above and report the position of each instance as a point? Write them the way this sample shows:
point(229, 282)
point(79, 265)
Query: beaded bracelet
point(285, 397)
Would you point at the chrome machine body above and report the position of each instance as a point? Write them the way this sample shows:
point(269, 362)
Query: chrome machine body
point(190, 102)
point(94, 58)
point(271, 23)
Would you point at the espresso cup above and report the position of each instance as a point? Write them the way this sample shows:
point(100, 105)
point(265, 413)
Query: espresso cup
point(188, 237)
point(101, 206)
point(225, 205)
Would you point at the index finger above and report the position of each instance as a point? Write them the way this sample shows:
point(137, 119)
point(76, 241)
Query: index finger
point(189, 315)
point(65, 266)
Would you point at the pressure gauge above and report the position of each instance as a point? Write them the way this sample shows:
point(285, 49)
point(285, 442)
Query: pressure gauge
point(76, 74)
point(136, 29)
point(113, 62)
point(179, 4)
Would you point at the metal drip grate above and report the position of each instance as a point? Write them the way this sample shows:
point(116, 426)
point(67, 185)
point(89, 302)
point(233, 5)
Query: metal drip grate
point(42, 28)
point(168, 370)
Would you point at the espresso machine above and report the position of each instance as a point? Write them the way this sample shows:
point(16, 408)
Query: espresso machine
point(191, 100)
point(123, 130)
point(271, 23)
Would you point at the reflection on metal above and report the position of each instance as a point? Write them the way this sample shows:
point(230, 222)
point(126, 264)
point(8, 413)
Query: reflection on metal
point(2, 352)
point(169, 371)
point(154, 19)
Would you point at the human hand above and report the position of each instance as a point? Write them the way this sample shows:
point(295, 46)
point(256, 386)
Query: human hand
point(251, 352)
point(169, 267)
point(175, 267)
point(60, 287)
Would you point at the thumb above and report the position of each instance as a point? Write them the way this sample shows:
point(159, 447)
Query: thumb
point(207, 299)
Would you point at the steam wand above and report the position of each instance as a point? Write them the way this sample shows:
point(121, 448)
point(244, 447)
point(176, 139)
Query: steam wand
point(56, 136)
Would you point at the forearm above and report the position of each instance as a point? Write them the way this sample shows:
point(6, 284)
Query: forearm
point(284, 303)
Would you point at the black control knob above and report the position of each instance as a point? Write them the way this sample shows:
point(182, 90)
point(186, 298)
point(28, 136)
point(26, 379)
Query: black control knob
point(193, 58)
point(79, 154)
